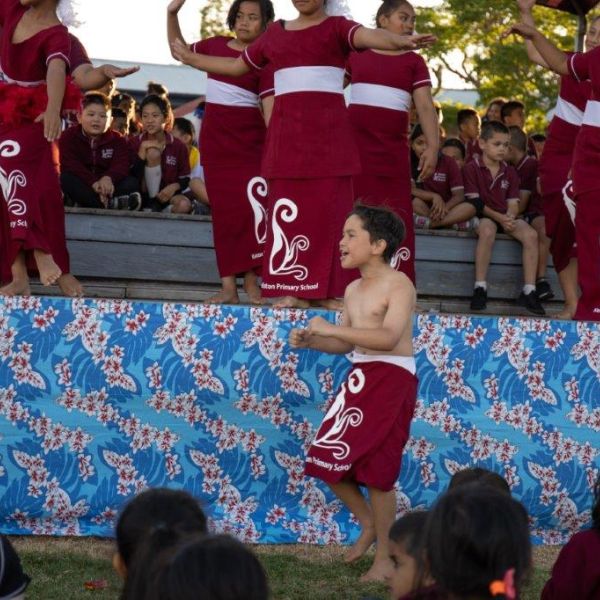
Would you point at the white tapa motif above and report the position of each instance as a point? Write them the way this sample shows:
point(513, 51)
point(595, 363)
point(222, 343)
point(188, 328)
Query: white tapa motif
point(343, 417)
point(289, 263)
point(402, 254)
point(567, 193)
point(10, 182)
point(260, 212)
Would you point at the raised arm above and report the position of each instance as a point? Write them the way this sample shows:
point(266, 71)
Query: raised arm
point(234, 67)
point(173, 28)
point(381, 39)
point(556, 59)
point(526, 6)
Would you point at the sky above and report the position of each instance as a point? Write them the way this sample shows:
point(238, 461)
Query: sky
point(135, 30)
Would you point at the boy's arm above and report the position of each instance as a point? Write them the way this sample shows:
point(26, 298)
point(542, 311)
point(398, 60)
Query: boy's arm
point(524, 196)
point(303, 338)
point(458, 196)
point(513, 208)
point(55, 80)
point(397, 318)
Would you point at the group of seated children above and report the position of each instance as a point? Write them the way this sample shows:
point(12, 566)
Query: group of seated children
point(104, 165)
point(472, 544)
point(487, 180)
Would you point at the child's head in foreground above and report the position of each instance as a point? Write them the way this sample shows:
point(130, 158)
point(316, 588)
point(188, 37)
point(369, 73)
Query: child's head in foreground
point(384, 231)
point(494, 141)
point(407, 554)
point(481, 476)
point(477, 543)
point(95, 113)
point(208, 567)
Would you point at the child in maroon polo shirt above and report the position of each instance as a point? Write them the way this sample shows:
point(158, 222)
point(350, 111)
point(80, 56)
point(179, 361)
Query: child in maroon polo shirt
point(494, 186)
point(530, 204)
point(95, 160)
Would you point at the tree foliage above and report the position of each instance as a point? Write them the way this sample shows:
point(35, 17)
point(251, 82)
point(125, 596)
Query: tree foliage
point(212, 18)
point(470, 46)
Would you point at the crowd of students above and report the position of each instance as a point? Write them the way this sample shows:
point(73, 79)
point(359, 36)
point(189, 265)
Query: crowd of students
point(166, 551)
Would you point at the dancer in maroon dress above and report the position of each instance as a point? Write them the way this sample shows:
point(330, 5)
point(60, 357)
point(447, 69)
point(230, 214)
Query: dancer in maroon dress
point(310, 154)
point(555, 166)
point(384, 83)
point(231, 140)
point(34, 54)
point(582, 66)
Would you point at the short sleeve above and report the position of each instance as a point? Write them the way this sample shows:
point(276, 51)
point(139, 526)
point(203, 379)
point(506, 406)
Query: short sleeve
point(421, 76)
point(57, 45)
point(579, 65)
point(455, 178)
point(346, 30)
point(201, 47)
point(266, 83)
point(470, 179)
point(78, 55)
point(255, 55)
point(528, 179)
point(513, 187)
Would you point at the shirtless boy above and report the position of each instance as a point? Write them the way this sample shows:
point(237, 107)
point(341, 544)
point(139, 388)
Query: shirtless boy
point(360, 440)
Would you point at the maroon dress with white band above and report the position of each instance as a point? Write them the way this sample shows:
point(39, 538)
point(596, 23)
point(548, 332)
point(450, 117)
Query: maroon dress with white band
point(555, 168)
point(31, 211)
point(231, 143)
point(381, 96)
point(586, 186)
point(310, 157)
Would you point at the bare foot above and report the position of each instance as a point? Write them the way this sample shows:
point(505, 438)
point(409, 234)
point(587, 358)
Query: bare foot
point(363, 543)
point(17, 287)
point(48, 269)
point(566, 314)
point(222, 297)
point(291, 302)
point(70, 286)
point(330, 304)
point(379, 571)
point(252, 288)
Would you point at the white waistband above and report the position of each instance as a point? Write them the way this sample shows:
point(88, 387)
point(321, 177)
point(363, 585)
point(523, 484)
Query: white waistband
point(381, 96)
point(568, 112)
point(219, 92)
point(406, 362)
point(309, 79)
point(591, 116)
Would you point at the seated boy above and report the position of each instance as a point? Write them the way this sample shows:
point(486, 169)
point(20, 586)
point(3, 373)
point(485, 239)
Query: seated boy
point(530, 204)
point(95, 160)
point(489, 180)
point(469, 126)
point(362, 436)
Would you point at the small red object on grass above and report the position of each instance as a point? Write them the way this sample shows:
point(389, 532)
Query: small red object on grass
point(96, 584)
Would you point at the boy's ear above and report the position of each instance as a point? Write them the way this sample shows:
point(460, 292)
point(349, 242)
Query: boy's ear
point(119, 565)
point(379, 247)
point(79, 117)
point(480, 142)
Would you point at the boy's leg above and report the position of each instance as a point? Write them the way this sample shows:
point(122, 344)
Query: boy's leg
point(457, 214)
point(420, 207)
point(527, 235)
point(228, 293)
point(252, 288)
point(349, 493)
point(19, 286)
point(79, 191)
point(539, 224)
point(486, 232)
point(383, 506)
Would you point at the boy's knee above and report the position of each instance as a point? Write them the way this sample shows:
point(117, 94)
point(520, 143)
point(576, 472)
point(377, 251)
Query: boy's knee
point(181, 205)
point(487, 231)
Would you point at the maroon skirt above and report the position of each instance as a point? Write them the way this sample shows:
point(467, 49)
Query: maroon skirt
point(238, 203)
point(306, 221)
point(393, 192)
point(31, 213)
point(365, 430)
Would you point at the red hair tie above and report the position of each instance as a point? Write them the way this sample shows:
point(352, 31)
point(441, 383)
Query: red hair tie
point(505, 587)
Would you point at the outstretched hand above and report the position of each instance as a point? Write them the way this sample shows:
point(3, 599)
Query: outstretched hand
point(175, 6)
point(112, 72)
point(414, 42)
point(525, 31)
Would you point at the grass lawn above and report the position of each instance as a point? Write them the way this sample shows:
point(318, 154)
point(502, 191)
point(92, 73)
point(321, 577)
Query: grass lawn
point(60, 567)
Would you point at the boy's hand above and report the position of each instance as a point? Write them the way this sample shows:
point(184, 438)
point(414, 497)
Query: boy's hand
point(175, 6)
point(438, 208)
point(104, 186)
point(299, 338)
point(508, 222)
point(52, 124)
point(165, 195)
point(319, 326)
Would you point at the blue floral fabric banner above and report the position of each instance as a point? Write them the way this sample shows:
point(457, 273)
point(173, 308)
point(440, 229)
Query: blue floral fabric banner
point(101, 399)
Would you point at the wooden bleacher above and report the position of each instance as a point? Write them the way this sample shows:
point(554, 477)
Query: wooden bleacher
point(171, 257)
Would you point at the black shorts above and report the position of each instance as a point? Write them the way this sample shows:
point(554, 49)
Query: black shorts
point(478, 204)
point(529, 218)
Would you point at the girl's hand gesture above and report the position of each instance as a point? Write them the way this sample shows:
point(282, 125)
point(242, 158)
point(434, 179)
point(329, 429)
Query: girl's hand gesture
point(414, 42)
point(525, 31)
point(112, 72)
point(181, 52)
point(52, 124)
point(175, 6)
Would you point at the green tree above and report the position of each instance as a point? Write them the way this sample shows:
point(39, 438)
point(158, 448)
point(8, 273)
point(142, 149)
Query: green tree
point(212, 18)
point(470, 46)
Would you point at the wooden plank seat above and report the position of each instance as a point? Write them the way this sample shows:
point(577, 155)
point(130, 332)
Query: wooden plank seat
point(157, 249)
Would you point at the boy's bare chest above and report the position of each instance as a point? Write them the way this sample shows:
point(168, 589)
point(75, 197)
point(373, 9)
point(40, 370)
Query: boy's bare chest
point(367, 309)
